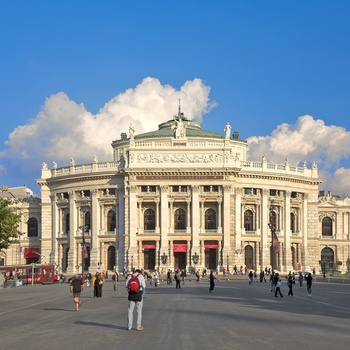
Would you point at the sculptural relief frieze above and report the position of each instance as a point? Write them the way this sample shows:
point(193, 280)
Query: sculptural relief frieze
point(180, 158)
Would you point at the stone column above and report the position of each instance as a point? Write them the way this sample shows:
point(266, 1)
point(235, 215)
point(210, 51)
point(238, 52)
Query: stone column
point(287, 258)
point(164, 223)
point(304, 255)
point(72, 257)
point(219, 228)
point(132, 223)
point(238, 217)
point(195, 219)
point(225, 218)
point(95, 211)
point(53, 258)
point(265, 231)
point(122, 209)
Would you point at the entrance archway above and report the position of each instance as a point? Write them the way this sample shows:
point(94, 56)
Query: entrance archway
point(110, 258)
point(327, 260)
point(211, 254)
point(149, 255)
point(249, 257)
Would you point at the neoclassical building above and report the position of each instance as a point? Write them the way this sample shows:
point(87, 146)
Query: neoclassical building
point(181, 197)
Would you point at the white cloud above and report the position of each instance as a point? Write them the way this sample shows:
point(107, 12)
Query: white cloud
point(64, 129)
point(311, 140)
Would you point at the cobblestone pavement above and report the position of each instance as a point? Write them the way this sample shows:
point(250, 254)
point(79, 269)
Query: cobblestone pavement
point(235, 316)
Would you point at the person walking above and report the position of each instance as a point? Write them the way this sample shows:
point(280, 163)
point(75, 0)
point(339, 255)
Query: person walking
point(278, 288)
point(250, 277)
point(98, 283)
point(183, 276)
point(76, 287)
point(178, 279)
point(300, 279)
point(309, 284)
point(290, 282)
point(136, 286)
point(115, 280)
point(212, 281)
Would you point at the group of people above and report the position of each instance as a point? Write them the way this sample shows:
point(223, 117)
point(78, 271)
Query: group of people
point(276, 283)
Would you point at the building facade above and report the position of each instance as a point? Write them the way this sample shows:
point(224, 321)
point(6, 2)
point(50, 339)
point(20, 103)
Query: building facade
point(182, 197)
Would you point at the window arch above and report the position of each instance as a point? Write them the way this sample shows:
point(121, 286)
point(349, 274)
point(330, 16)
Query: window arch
point(248, 220)
point(111, 222)
point(32, 227)
point(273, 219)
point(210, 219)
point(149, 219)
point(293, 223)
point(180, 219)
point(327, 226)
point(87, 223)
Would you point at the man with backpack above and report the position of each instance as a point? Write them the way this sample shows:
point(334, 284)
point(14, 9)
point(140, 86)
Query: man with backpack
point(136, 286)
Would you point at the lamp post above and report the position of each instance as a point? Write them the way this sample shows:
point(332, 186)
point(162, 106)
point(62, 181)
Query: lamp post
point(83, 245)
point(227, 263)
point(272, 227)
point(195, 258)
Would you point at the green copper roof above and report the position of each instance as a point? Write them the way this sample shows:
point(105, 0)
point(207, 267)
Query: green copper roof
point(168, 132)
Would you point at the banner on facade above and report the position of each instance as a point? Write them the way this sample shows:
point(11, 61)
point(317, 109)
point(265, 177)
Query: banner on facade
point(210, 246)
point(180, 247)
point(30, 253)
point(275, 244)
point(148, 246)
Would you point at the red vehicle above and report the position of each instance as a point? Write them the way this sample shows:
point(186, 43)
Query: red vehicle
point(77, 276)
point(40, 274)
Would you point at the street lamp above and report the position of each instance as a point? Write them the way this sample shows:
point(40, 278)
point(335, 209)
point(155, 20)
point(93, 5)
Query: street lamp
point(272, 227)
point(195, 258)
point(84, 253)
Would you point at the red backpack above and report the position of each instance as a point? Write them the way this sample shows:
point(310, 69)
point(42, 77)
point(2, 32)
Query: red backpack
point(134, 283)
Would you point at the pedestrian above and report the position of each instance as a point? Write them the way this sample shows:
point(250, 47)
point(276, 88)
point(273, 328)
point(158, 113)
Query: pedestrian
point(135, 298)
point(211, 281)
point(278, 288)
point(273, 279)
point(309, 284)
point(290, 282)
point(76, 287)
point(115, 280)
point(301, 279)
point(89, 277)
point(183, 276)
point(98, 283)
point(178, 279)
point(198, 275)
point(250, 277)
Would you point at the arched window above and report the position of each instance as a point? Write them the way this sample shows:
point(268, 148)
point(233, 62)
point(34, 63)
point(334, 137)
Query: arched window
point(273, 219)
point(327, 226)
point(210, 219)
point(293, 223)
point(111, 222)
point(249, 256)
point(67, 224)
point(149, 218)
point(180, 219)
point(32, 227)
point(87, 223)
point(248, 220)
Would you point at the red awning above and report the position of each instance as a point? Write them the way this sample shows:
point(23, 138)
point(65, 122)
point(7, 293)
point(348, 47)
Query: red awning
point(180, 247)
point(29, 253)
point(211, 246)
point(148, 246)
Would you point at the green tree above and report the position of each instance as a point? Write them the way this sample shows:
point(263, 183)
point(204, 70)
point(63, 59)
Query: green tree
point(9, 222)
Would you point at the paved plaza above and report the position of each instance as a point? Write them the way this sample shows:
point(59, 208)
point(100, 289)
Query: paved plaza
point(235, 316)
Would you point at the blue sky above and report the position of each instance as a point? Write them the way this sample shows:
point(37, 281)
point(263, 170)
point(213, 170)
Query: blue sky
point(73, 74)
